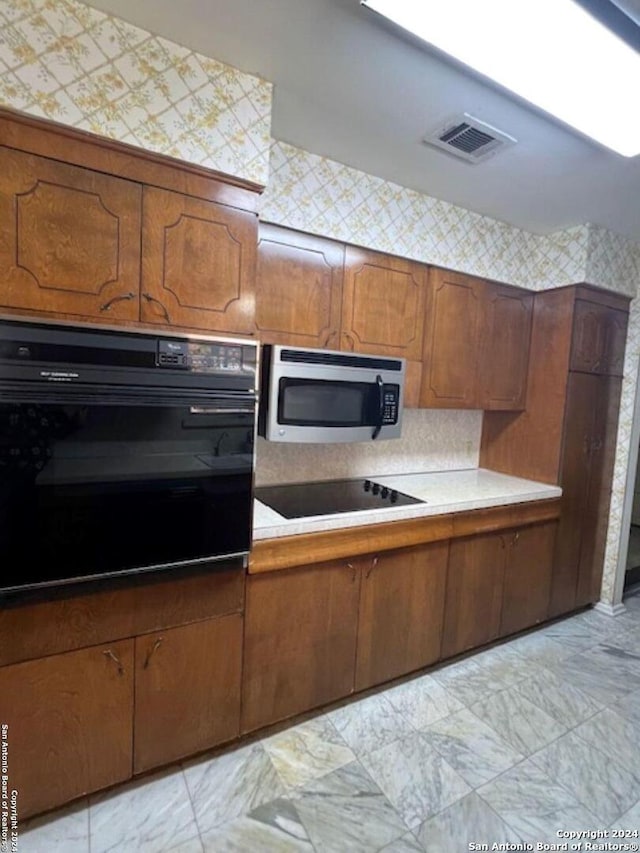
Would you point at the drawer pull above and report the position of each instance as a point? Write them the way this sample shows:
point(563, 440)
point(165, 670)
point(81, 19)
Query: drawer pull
point(152, 651)
point(374, 563)
point(126, 297)
point(151, 298)
point(112, 656)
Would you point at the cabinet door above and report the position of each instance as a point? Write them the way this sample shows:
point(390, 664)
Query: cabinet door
point(575, 476)
point(504, 347)
point(298, 288)
point(449, 374)
point(300, 641)
point(527, 580)
point(383, 304)
point(401, 612)
point(198, 263)
point(187, 690)
point(474, 592)
point(69, 721)
point(595, 520)
point(69, 241)
point(599, 337)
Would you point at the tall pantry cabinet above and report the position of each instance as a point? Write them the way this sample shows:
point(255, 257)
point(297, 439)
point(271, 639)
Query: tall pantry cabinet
point(568, 433)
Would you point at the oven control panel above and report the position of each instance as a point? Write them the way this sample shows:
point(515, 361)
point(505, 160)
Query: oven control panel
point(200, 356)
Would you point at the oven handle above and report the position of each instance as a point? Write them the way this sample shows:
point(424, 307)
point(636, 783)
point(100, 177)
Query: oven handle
point(221, 410)
point(378, 427)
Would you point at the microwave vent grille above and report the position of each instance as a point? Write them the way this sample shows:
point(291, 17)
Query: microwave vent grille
point(340, 359)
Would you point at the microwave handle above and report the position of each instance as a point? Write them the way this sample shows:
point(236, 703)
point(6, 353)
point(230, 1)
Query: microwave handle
point(378, 426)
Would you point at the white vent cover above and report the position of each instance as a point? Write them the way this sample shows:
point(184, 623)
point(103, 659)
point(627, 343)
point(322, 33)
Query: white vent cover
point(468, 138)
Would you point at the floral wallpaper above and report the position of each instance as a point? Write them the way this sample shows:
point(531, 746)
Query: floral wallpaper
point(65, 61)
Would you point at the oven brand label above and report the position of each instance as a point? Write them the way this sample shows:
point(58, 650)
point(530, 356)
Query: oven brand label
point(59, 375)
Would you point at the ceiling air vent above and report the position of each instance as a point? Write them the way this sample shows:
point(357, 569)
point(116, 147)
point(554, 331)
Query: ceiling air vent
point(469, 138)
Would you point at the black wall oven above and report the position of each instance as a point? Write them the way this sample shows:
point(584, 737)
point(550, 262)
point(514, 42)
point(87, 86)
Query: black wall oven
point(121, 451)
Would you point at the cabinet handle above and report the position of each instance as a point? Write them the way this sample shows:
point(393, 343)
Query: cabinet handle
point(350, 341)
point(125, 297)
point(354, 570)
point(151, 652)
point(514, 541)
point(374, 563)
point(329, 338)
point(112, 656)
point(151, 298)
point(503, 544)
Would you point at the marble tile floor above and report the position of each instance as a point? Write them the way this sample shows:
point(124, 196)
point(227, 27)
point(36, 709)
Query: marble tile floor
point(537, 735)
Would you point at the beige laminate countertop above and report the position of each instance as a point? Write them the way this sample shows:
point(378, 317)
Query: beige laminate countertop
point(443, 491)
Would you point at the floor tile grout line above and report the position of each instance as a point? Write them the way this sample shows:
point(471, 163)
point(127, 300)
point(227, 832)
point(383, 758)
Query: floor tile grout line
point(192, 803)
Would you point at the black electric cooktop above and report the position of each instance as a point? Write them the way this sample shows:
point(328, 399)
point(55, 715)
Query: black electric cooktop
point(326, 498)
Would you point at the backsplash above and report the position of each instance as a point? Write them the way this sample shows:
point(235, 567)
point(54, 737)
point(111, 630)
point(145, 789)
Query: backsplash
point(432, 440)
point(65, 61)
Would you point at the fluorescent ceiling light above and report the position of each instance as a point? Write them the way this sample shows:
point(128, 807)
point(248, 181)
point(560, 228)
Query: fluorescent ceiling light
point(550, 52)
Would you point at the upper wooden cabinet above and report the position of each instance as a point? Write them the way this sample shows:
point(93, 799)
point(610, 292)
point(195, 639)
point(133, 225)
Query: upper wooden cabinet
point(476, 346)
point(298, 288)
point(70, 724)
point(69, 239)
point(198, 263)
point(599, 335)
point(451, 341)
point(505, 333)
point(383, 304)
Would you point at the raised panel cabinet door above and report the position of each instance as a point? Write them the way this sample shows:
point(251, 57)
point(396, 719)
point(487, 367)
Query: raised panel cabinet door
point(199, 263)
point(616, 323)
point(473, 602)
point(449, 373)
point(69, 239)
point(187, 690)
point(69, 721)
point(575, 476)
point(383, 304)
point(527, 579)
point(401, 612)
point(589, 343)
point(505, 333)
point(300, 640)
point(298, 288)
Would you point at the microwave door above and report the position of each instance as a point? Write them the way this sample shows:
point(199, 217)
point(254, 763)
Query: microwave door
point(380, 394)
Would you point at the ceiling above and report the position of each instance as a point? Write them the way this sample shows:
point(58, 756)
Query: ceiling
point(349, 88)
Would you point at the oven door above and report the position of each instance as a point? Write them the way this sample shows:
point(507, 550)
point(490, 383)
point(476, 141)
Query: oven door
point(89, 489)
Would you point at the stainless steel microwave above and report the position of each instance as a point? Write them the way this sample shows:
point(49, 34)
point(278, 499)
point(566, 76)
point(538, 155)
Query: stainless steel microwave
point(319, 396)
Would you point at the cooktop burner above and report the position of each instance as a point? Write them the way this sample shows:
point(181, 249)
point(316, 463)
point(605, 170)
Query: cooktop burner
point(326, 498)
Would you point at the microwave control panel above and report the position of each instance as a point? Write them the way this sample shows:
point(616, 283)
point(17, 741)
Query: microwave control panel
point(201, 356)
point(391, 399)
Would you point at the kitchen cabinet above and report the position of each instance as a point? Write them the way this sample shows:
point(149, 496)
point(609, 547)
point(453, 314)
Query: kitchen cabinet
point(568, 433)
point(473, 602)
point(503, 362)
point(298, 288)
point(198, 267)
point(401, 612)
point(599, 334)
point(586, 475)
point(69, 721)
point(300, 640)
point(476, 346)
point(527, 578)
point(69, 241)
point(187, 683)
point(171, 244)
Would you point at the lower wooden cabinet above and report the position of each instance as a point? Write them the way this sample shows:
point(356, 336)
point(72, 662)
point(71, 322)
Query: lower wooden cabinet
point(300, 640)
point(498, 583)
point(401, 612)
point(69, 721)
point(527, 577)
point(474, 592)
point(187, 690)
